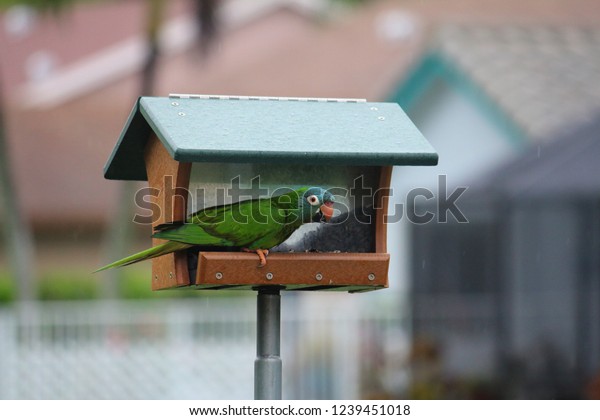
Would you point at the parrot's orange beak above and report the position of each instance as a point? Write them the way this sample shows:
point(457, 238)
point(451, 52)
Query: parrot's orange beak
point(327, 210)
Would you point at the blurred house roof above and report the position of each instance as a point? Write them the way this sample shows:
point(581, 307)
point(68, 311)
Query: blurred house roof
point(544, 77)
point(565, 167)
point(49, 72)
point(59, 146)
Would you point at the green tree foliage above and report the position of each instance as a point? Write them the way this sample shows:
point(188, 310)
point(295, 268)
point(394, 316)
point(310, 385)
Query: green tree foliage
point(42, 5)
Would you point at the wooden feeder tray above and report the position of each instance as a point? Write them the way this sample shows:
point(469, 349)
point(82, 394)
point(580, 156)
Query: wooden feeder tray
point(351, 272)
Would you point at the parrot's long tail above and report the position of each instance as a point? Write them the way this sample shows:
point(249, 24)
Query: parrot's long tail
point(147, 254)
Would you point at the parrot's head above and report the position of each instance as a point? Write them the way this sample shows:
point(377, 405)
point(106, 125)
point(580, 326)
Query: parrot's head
point(316, 200)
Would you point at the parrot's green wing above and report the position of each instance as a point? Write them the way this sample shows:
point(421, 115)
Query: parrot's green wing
point(253, 224)
point(261, 223)
point(190, 234)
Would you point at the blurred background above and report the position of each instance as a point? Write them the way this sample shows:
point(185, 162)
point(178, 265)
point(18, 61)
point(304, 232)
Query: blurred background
point(504, 305)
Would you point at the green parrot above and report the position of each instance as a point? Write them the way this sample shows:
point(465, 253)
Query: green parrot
point(253, 225)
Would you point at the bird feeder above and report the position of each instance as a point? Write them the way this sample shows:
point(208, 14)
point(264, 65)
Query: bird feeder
point(197, 151)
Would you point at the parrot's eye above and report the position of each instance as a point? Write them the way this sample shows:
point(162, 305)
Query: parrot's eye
point(313, 200)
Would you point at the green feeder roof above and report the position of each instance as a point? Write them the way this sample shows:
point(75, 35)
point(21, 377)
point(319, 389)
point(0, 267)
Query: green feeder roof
point(200, 128)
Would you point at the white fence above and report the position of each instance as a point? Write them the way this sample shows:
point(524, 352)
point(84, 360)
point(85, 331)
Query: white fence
point(195, 349)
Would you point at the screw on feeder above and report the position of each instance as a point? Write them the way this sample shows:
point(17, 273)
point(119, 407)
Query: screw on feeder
point(381, 118)
point(371, 277)
point(269, 276)
point(170, 275)
point(181, 114)
point(174, 103)
point(219, 275)
point(319, 277)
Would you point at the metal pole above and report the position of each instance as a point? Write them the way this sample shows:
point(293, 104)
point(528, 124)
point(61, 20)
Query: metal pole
point(267, 367)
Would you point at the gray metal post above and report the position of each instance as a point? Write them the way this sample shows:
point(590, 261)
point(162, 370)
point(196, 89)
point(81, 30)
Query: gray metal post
point(267, 367)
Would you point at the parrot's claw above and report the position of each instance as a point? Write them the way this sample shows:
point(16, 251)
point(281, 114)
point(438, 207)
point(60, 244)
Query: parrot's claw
point(262, 255)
